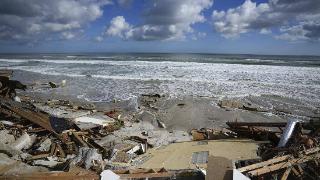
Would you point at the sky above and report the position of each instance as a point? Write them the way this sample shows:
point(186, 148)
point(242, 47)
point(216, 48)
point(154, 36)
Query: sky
point(288, 27)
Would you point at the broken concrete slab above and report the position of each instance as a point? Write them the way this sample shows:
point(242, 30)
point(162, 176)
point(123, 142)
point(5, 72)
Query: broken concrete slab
point(88, 122)
point(61, 111)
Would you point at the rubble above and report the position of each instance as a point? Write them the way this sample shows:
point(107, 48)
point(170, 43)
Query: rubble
point(23, 142)
point(45, 145)
point(9, 166)
point(89, 157)
point(49, 162)
point(87, 122)
point(61, 139)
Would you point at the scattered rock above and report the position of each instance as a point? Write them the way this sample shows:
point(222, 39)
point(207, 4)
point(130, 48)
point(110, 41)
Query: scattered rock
point(230, 104)
point(144, 133)
point(181, 104)
point(152, 95)
point(161, 124)
point(250, 107)
point(17, 99)
point(63, 83)
point(88, 107)
point(53, 85)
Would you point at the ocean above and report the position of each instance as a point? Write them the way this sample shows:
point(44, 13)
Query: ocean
point(104, 77)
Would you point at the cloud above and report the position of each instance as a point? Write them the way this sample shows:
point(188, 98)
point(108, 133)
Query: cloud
point(295, 19)
point(236, 21)
point(98, 38)
point(37, 19)
point(67, 35)
point(302, 31)
point(167, 20)
point(118, 27)
point(265, 31)
point(125, 3)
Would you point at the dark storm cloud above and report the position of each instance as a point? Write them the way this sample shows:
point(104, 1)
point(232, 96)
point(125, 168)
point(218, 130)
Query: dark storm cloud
point(19, 8)
point(313, 31)
point(24, 20)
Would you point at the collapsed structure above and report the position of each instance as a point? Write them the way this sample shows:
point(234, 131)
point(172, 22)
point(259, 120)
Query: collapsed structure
point(37, 145)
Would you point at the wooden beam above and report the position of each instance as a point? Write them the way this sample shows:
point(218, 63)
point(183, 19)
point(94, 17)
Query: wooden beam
point(264, 163)
point(286, 174)
point(282, 165)
point(296, 172)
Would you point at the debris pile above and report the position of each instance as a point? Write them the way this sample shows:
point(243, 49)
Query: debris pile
point(59, 139)
point(52, 142)
point(292, 151)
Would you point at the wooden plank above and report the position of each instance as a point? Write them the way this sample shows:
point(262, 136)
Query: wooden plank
point(26, 113)
point(275, 160)
point(79, 139)
point(311, 151)
point(53, 149)
point(286, 174)
point(54, 176)
point(264, 163)
point(60, 151)
point(300, 169)
point(282, 165)
point(39, 156)
point(296, 172)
